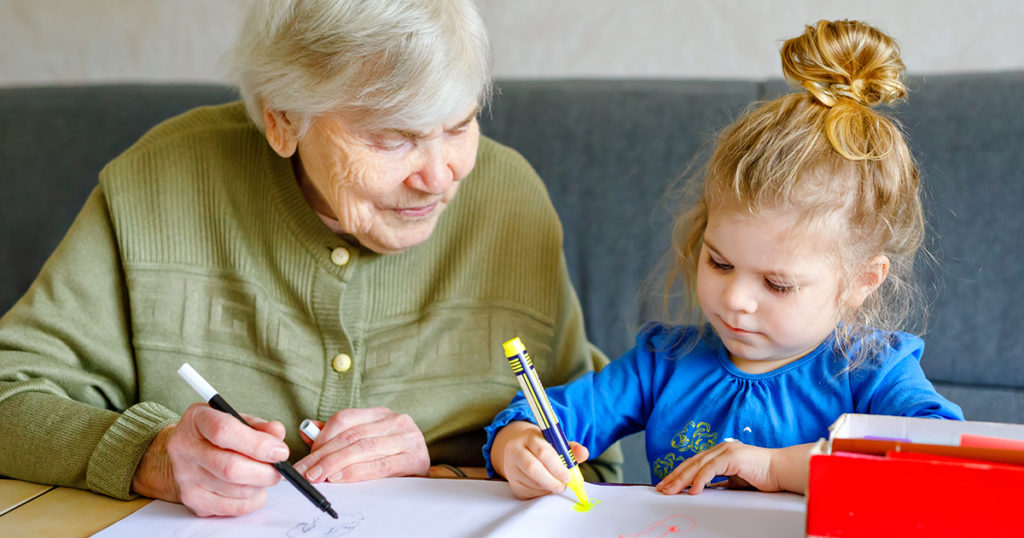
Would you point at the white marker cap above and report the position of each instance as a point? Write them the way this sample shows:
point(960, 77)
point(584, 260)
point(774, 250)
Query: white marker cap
point(310, 429)
point(205, 390)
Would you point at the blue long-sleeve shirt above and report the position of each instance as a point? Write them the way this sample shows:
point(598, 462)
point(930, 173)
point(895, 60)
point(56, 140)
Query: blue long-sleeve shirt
point(688, 396)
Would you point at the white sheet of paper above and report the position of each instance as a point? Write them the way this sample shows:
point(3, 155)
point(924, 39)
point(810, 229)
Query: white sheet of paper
point(471, 508)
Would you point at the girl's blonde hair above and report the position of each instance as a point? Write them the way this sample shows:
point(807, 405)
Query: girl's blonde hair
point(820, 154)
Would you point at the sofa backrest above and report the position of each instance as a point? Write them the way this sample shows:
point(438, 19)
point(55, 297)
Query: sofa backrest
point(607, 151)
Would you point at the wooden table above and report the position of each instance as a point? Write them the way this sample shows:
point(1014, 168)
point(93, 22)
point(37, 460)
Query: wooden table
point(28, 509)
point(36, 510)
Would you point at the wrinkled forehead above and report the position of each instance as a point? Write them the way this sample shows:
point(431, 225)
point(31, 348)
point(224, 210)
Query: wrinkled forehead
point(424, 121)
point(371, 123)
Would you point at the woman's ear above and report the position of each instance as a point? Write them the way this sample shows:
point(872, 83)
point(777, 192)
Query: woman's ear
point(867, 281)
point(281, 133)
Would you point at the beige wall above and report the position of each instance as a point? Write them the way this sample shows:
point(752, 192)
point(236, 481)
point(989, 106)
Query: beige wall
point(46, 41)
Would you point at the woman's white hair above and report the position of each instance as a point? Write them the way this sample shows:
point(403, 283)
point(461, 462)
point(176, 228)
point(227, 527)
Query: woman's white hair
point(406, 64)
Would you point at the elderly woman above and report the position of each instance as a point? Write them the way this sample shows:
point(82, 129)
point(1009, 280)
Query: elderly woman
point(307, 254)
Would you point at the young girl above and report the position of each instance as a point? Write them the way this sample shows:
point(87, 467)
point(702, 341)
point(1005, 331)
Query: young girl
point(799, 252)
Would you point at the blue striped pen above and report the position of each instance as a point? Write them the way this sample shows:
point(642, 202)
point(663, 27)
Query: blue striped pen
point(545, 416)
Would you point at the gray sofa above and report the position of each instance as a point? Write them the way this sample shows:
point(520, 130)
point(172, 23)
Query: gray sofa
point(607, 151)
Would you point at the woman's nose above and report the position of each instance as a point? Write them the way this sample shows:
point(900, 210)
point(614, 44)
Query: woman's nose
point(434, 174)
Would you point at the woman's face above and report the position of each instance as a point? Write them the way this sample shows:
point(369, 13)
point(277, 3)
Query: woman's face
point(386, 188)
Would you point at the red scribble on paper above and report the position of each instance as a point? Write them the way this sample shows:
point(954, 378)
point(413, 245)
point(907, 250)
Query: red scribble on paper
point(674, 525)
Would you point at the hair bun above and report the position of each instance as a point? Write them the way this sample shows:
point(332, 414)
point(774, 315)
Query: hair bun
point(836, 59)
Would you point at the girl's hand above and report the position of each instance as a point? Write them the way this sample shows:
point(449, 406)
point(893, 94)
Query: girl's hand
point(767, 469)
point(529, 463)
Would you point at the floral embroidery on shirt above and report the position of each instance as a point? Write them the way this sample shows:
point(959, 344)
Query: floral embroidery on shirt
point(664, 465)
point(695, 437)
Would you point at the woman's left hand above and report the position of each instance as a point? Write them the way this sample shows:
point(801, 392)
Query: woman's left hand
point(767, 469)
point(366, 444)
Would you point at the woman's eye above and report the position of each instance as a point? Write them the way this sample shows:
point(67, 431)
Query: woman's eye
point(391, 145)
point(779, 288)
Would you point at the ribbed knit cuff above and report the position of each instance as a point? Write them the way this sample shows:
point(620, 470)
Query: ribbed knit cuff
point(112, 465)
point(510, 414)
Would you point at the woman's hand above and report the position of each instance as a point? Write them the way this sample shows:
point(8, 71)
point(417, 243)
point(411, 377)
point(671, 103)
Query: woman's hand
point(212, 463)
point(528, 461)
point(767, 469)
point(366, 444)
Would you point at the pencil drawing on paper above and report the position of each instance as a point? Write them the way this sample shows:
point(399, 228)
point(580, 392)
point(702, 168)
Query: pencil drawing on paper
point(674, 525)
point(345, 524)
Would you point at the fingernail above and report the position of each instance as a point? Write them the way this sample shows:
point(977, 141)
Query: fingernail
point(314, 473)
point(279, 454)
point(336, 477)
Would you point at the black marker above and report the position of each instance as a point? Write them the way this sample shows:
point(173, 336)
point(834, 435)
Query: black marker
point(207, 392)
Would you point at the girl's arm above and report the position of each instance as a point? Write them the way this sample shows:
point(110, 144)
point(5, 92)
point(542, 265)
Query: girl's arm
point(898, 386)
point(594, 410)
point(584, 415)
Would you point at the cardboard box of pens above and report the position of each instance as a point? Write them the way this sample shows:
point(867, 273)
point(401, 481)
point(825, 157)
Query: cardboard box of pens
point(896, 476)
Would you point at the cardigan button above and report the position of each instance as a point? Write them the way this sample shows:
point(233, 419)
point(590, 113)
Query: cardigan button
point(340, 256)
point(341, 363)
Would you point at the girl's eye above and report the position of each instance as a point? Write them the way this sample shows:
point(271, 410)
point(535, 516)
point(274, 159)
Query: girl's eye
point(779, 288)
point(718, 266)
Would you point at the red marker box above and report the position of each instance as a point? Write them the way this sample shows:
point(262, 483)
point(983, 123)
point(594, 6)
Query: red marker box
point(917, 480)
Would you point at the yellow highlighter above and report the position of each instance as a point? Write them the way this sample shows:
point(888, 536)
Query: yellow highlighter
point(522, 366)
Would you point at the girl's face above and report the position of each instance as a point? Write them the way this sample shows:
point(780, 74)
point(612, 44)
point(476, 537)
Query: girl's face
point(771, 294)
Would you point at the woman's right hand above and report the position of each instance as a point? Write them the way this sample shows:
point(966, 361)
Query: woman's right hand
point(527, 460)
point(212, 463)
